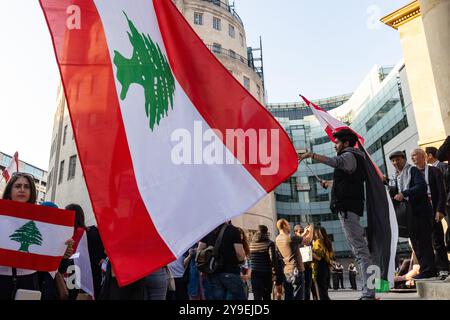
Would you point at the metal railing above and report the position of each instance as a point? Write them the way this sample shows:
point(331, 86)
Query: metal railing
point(230, 54)
point(227, 7)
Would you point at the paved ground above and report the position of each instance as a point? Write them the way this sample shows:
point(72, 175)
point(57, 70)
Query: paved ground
point(354, 295)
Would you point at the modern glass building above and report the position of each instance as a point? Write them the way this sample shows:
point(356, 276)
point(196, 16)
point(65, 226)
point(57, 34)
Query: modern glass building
point(380, 110)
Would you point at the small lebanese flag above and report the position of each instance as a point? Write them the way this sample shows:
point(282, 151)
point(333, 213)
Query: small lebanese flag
point(12, 168)
point(83, 262)
point(33, 237)
point(151, 107)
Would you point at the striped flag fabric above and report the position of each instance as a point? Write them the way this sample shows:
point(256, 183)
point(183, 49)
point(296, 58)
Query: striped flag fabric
point(12, 168)
point(33, 237)
point(170, 143)
point(83, 262)
point(382, 227)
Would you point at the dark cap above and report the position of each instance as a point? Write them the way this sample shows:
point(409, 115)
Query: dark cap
point(396, 154)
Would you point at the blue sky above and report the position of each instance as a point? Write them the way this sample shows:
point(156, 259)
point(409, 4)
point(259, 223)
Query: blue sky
point(318, 48)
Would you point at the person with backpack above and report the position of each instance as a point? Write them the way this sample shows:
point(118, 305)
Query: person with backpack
point(225, 246)
point(262, 263)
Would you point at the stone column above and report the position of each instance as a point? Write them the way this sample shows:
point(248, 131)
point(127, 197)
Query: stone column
point(436, 21)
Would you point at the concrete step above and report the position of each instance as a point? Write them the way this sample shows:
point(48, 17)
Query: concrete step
point(433, 290)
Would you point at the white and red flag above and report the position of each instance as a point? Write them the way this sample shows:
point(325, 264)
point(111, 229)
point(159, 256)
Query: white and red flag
point(33, 237)
point(382, 227)
point(145, 95)
point(81, 259)
point(12, 168)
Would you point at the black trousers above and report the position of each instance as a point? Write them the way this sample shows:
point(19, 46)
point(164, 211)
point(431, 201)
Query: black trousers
point(440, 250)
point(421, 238)
point(323, 276)
point(180, 293)
point(340, 276)
point(308, 283)
point(29, 282)
point(261, 285)
point(352, 277)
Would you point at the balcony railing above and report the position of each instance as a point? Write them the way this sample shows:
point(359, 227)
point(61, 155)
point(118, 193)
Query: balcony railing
point(227, 7)
point(231, 54)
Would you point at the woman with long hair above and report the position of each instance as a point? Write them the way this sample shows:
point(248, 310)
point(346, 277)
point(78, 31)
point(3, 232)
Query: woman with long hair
point(20, 188)
point(323, 255)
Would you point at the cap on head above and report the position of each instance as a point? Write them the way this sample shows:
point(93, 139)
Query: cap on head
point(397, 154)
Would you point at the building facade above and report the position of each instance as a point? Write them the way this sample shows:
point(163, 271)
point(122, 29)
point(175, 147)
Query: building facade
point(40, 176)
point(424, 29)
point(222, 30)
point(380, 110)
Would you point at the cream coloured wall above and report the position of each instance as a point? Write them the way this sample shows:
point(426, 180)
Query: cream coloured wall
point(436, 22)
point(430, 125)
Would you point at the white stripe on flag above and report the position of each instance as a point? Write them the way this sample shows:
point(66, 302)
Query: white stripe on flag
point(53, 236)
point(83, 262)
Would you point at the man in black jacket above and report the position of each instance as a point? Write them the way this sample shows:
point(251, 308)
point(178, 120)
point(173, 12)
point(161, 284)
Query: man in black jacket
point(411, 187)
point(436, 193)
point(347, 198)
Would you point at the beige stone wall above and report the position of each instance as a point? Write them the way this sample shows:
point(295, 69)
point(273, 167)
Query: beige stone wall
point(421, 78)
point(436, 21)
point(209, 35)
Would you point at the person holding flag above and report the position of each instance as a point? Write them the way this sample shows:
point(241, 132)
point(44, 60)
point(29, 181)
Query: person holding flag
point(347, 197)
point(21, 188)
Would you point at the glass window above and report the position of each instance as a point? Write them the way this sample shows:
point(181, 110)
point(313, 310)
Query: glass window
point(217, 48)
point(231, 31)
point(217, 24)
point(65, 135)
point(381, 113)
point(198, 18)
point(247, 83)
point(232, 54)
point(72, 166)
point(241, 37)
point(61, 172)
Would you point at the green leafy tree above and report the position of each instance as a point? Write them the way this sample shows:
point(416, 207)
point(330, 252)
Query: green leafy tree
point(149, 68)
point(27, 235)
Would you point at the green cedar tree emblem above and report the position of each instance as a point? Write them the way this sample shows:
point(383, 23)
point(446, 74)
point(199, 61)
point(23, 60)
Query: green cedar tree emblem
point(27, 235)
point(149, 68)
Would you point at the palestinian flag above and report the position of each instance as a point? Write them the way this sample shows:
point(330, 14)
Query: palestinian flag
point(33, 237)
point(12, 168)
point(171, 145)
point(382, 227)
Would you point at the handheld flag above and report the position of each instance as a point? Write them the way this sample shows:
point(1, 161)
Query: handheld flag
point(12, 168)
point(33, 237)
point(382, 223)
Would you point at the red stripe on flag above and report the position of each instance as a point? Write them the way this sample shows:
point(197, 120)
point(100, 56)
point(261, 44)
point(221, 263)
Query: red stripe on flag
point(5, 174)
point(221, 100)
point(30, 261)
point(33, 212)
point(130, 237)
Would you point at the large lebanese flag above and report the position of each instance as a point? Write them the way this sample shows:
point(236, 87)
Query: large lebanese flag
point(136, 77)
point(12, 168)
point(382, 227)
point(33, 237)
